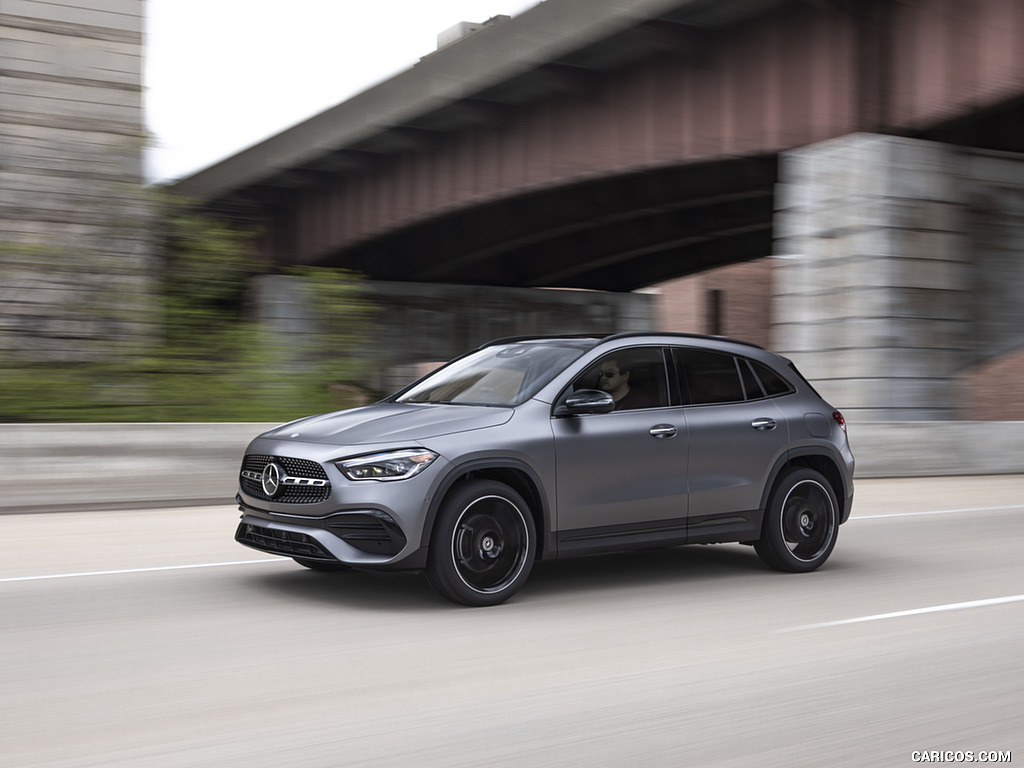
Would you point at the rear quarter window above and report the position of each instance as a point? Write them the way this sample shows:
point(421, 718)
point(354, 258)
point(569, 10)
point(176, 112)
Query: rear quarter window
point(771, 381)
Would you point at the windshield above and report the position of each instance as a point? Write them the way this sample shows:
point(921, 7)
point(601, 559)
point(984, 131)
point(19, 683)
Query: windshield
point(503, 374)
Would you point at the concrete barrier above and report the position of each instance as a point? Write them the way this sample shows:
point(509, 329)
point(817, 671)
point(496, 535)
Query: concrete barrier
point(933, 448)
point(50, 467)
point(53, 467)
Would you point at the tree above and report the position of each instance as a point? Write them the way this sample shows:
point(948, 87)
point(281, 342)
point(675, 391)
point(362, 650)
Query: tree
point(205, 356)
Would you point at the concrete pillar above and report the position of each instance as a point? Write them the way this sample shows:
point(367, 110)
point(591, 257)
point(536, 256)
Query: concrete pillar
point(74, 221)
point(872, 294)
point(997, 226)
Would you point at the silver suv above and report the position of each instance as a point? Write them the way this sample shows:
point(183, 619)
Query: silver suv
point(548, 447)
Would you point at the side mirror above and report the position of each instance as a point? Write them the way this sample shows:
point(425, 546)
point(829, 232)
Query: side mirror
point(584, 401)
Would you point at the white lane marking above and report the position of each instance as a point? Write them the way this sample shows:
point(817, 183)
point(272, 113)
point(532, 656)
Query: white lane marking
point(285, 560)
point(912, 612)
point(937, 512)
point(139, 570)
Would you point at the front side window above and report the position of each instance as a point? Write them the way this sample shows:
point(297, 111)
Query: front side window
point(635, 378)
point(503, 374)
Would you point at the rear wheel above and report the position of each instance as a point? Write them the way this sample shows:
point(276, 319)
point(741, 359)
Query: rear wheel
point(483, 545)
point(801, 523)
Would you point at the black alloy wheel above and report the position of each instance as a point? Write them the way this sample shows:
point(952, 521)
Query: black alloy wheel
point(483, 545)
point(801, 523)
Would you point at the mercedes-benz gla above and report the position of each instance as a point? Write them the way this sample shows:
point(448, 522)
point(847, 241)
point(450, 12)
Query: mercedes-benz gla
point(549, 447)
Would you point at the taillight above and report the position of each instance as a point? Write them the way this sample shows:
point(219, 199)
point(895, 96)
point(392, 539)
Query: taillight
point(838, 418)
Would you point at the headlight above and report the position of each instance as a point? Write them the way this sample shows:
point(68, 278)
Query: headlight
point(392, 465)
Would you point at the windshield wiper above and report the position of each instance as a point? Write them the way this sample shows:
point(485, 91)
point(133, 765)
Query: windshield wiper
point(457, 402)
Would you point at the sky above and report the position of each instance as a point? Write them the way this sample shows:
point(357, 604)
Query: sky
point(222, 75)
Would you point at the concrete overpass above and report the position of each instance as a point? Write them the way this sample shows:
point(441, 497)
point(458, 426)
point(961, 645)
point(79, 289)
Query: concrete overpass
point(614, 144)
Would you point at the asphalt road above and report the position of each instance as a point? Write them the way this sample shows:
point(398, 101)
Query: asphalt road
point(150, 638)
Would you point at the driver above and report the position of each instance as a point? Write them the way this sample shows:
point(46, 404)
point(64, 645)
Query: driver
point(615, 381)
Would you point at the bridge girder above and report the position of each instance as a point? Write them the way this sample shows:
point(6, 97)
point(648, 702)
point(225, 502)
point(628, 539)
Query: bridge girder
point(587, 143)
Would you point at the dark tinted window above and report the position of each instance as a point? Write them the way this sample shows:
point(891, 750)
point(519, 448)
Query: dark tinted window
point(635, 377)
point(711, 377)
point(750, 383)
point(772, 382)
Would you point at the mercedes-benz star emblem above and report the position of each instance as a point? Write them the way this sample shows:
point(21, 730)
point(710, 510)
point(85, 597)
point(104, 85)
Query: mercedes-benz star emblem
point(271, 479)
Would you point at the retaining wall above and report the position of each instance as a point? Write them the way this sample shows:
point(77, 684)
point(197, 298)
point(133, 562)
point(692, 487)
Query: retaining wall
point(54, 467)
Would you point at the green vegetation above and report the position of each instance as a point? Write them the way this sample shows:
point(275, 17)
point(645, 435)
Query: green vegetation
point(174, 339)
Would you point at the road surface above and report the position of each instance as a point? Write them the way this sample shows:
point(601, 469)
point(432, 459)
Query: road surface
point(149, 638)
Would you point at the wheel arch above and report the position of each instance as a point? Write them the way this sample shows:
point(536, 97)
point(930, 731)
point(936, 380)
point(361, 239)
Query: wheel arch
point(811, 458)
point(518, 475)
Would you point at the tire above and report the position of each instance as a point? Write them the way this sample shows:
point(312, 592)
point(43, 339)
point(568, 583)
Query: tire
point(483, 544)
point(801, 523)
point(321, 565)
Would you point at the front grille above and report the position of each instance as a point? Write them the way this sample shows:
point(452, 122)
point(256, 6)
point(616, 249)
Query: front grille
point(310, 485)
point(296, 467)
point(280, 542)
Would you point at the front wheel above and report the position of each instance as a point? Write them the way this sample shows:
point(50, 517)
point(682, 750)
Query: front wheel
point(483, 545)
point(800, 524)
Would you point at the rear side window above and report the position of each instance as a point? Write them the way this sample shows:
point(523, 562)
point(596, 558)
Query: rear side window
point(718, 377)
point(711, 377)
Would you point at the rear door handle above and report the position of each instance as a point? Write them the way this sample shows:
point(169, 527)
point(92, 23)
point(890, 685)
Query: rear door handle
point(662, 431)
point(763, 424)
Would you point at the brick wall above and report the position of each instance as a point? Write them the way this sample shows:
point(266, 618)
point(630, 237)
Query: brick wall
point(743, 298)
point(994, 390)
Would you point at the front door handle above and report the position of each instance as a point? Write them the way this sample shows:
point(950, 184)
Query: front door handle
point(763, 424)
point(661, 431)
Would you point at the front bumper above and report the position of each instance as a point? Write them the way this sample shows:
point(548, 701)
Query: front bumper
point(317, 513)
point(363, 538)
point(275, 541)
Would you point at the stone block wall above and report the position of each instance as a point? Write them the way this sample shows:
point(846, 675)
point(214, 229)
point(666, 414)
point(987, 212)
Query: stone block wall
point(73, 216)
point(996, 219)
point(899, 276)
point(873, 275)
point(993, 386)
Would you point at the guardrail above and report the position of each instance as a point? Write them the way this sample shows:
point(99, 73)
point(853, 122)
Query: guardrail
point(54, 467)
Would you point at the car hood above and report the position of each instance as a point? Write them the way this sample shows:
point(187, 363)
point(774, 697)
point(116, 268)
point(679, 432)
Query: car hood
point(390, 422)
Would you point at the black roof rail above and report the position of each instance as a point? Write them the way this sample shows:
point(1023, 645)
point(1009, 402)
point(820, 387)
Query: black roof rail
point(678, 335)
point(541, 337)
point(620, 335)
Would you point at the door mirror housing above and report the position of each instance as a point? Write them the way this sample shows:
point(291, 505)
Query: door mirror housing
point(584, 401)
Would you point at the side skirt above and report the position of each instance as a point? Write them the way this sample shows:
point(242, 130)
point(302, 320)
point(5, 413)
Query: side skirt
point(719, 529)
point(707, 529)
